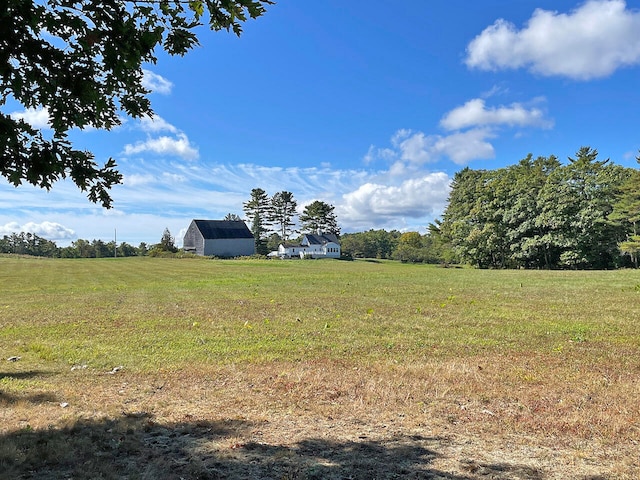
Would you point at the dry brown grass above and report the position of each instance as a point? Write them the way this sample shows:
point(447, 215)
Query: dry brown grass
point(324, 419)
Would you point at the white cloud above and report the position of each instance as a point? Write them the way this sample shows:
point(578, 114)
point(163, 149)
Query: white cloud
point(175, 146)
point(415, 148)
point(156, 124)
point(463, 147)
point(475, 113)
point(375, 153)
point(36, 117)
point(374, 204)
point(592, 41)
point(136, 180)
point(48, 230)
point(156, 83)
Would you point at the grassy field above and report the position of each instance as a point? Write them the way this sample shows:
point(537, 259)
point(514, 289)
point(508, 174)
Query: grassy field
point(193, 368)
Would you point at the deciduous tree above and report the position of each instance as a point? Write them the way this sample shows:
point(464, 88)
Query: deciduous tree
point(82, 62)
point(370, 244)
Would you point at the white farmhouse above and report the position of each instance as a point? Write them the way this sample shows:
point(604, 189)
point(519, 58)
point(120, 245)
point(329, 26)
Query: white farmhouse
point(324, 245)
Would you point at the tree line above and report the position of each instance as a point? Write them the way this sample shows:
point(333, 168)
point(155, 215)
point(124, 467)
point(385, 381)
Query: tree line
point(407, 247)
point(30, 244)
point(25, 243)
point(540, 213)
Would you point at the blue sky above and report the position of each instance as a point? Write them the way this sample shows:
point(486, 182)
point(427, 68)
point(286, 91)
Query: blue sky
point(371, 106)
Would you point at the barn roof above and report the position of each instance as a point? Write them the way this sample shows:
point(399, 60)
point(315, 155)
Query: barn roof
point(223, 229)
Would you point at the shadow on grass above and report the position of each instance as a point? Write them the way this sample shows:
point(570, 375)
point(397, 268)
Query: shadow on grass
point(24, 375)
point(35, 398)
point(135, 447)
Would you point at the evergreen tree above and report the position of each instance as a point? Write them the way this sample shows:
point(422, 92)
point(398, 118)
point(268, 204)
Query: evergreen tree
point(282, 213)
point(319, 217)
point(167, 242)
point(575, 204)
point(538, 214)
point(626, 214)
point(257, 210)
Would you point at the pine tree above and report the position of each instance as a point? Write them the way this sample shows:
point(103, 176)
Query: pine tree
point(281, 214)
point(256, 209)
point(319, 217)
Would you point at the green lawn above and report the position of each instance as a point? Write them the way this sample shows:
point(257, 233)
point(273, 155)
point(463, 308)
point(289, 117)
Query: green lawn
point(146, 312)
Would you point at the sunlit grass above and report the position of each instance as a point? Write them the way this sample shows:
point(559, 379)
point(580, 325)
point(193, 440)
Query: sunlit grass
point(146, 312)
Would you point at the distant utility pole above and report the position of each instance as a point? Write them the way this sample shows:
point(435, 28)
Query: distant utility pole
point(115, 243)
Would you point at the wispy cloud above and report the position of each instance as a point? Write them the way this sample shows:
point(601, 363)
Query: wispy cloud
point(495, 91)
point(362, 199)
point(592, 41)
point(156, 83)
point(159, 193)
point(374, 153)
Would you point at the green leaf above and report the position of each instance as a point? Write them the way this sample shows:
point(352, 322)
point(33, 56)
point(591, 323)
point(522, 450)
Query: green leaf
point(197, 7)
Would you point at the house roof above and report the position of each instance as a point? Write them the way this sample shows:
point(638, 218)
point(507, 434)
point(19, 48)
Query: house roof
point(291, 245)
point(223, 229)
point(321, 239)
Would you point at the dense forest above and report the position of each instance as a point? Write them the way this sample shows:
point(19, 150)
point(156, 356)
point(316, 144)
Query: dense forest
point(538, 213)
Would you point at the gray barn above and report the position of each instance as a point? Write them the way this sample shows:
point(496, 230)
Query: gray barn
point(219, 238)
